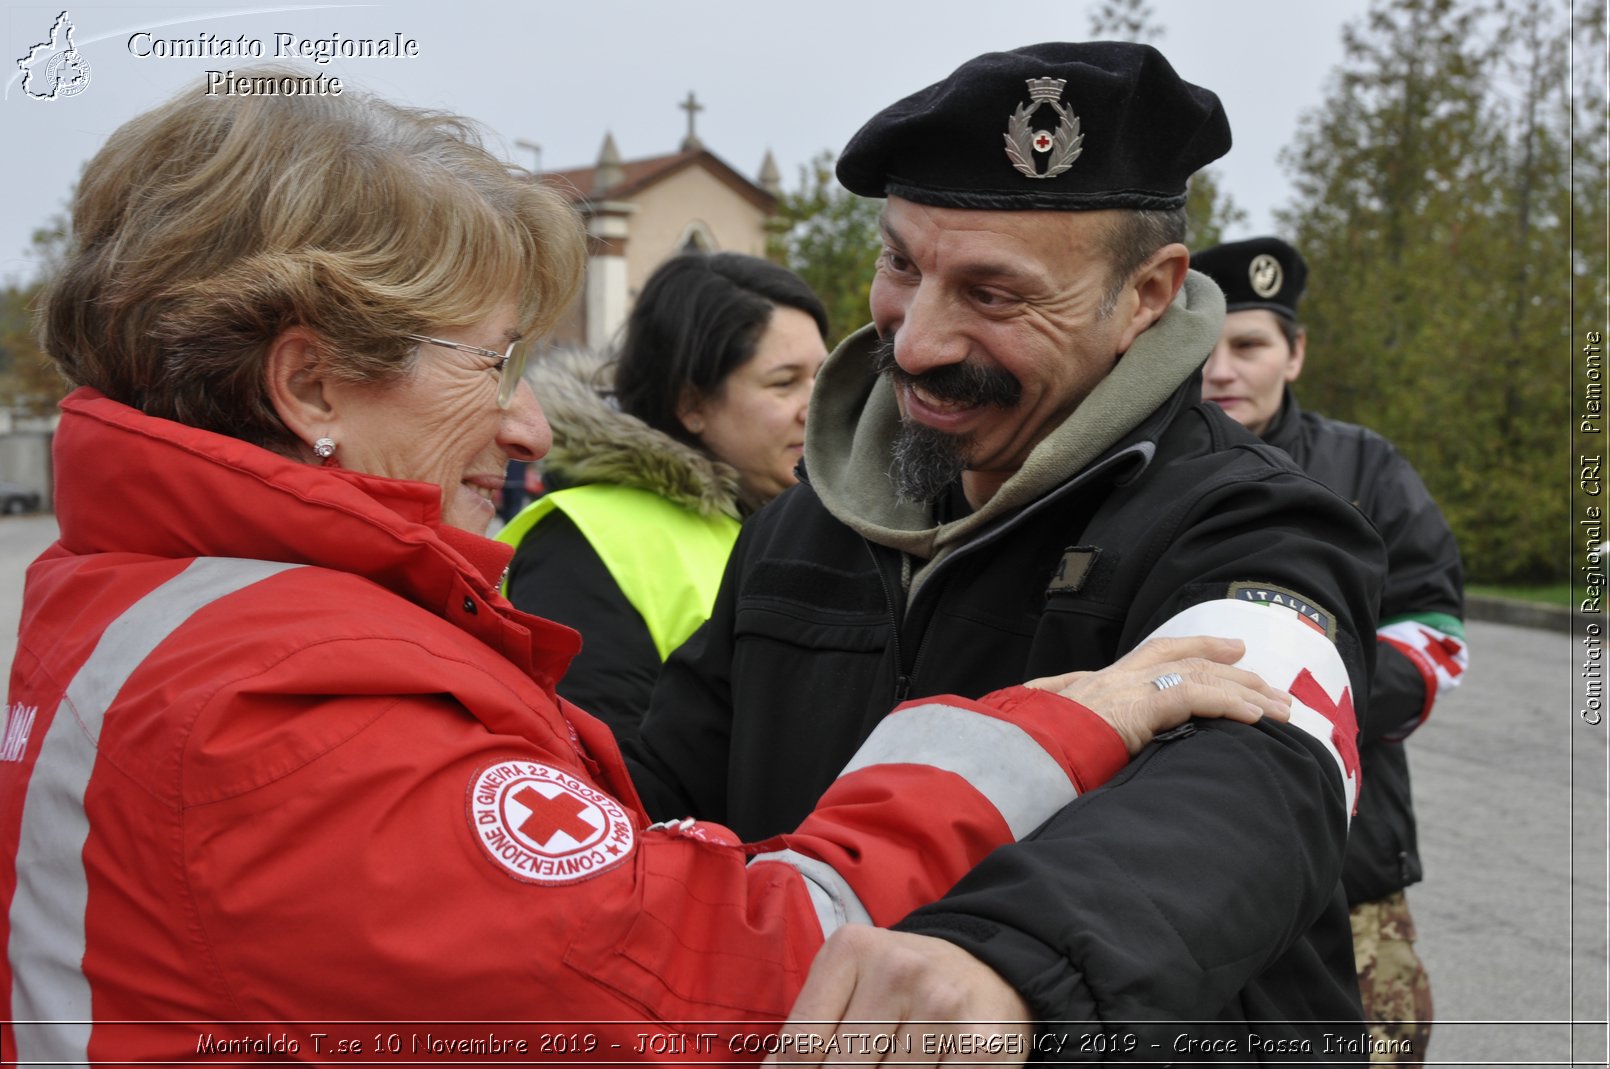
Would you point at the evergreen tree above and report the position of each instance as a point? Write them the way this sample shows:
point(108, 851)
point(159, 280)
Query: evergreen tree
point(29, 382)
point(1590, 168)
point(1533, 291)
point(1210, 211)
point(830, 238)
point(1428, 207)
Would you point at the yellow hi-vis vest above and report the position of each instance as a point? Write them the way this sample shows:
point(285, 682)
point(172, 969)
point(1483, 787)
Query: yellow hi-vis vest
point(666, 559)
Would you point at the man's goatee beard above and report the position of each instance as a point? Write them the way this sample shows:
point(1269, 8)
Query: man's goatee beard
point(926, 462)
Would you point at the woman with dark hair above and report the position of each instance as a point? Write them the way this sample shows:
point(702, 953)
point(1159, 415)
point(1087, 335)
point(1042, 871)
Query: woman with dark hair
point(659, 454)
point(714, 342)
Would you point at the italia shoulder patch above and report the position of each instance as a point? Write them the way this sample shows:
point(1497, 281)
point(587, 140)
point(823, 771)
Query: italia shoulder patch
point(1267, 594)
point(543, 825)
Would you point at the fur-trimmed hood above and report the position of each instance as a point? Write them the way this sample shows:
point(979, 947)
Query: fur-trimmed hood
point(595, 442)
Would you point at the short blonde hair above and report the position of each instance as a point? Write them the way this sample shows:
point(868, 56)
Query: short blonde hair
point(207, 226)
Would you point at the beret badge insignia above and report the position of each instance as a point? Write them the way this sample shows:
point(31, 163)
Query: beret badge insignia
point(1064, 144)
point(1265, 275)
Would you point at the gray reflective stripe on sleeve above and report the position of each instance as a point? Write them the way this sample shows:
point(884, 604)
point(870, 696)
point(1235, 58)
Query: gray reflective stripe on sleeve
point(1001, 760)
point(835, 900)
point(46, 951)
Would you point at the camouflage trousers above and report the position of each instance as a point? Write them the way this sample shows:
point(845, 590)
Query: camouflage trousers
point(1392, 981)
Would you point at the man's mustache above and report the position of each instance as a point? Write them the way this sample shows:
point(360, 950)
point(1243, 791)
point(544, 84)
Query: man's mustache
point(964, 383)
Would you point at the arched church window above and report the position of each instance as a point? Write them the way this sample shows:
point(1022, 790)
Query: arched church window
point(697, 238)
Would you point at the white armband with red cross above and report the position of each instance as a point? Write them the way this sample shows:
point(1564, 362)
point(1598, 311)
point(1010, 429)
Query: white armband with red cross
point(1286, 648)
point(1435, 644)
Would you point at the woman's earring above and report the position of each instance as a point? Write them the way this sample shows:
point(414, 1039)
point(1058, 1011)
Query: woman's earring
point(324, 448)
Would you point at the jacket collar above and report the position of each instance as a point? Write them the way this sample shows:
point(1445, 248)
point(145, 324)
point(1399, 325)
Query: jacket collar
point(153, 487)
point(1286, 427)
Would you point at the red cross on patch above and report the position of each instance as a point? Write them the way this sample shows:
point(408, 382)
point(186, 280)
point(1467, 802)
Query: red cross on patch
point(549, 816)
point(1042, 142)
point(545, 824)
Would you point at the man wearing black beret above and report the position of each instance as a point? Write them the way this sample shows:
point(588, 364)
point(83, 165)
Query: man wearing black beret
point(1420, 652)
point(1010, 475)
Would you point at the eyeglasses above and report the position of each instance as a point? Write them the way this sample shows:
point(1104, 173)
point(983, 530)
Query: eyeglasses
point(510, 364)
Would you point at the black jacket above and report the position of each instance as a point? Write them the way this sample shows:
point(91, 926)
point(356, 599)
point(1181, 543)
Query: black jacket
point(1424, 584)
point(1203, 883)
point(557, 574)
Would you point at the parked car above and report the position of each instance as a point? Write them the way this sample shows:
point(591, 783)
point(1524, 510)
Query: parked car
point(15, 499)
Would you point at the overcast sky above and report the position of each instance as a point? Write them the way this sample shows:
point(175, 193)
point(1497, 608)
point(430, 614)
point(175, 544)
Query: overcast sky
point(794, 79)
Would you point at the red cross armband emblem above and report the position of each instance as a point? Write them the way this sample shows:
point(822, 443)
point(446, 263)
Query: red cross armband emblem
point(1288, 644)
point(1339, 713)
point(1440, 658)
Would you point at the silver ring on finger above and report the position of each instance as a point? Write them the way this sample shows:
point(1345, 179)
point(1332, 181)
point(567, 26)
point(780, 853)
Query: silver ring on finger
point(1168, 679)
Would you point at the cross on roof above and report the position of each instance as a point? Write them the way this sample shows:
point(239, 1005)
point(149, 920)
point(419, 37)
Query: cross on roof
point(692, 106)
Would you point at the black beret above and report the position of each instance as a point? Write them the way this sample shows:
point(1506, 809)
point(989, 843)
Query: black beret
point(1260, 273)
point(1071, 127)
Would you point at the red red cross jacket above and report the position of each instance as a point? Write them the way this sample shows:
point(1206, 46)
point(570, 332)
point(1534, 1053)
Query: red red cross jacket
point(278, 756)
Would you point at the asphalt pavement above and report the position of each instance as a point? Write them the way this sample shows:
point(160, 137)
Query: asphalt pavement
point(1510, 786)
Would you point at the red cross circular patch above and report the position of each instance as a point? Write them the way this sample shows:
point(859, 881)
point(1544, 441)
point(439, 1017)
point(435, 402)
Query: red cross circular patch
point(542, 825)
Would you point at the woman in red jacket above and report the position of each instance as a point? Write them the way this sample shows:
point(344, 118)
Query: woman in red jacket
point(279, 754)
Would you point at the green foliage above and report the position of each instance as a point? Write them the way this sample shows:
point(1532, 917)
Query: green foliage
point(1558, 594)
point(1209, 208)
point(1209, 211)
point(1433, 206)
point(830, 238)
point(29, 382)
point(1589, 203)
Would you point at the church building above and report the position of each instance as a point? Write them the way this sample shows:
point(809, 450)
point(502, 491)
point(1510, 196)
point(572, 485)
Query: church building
point(638, 212)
